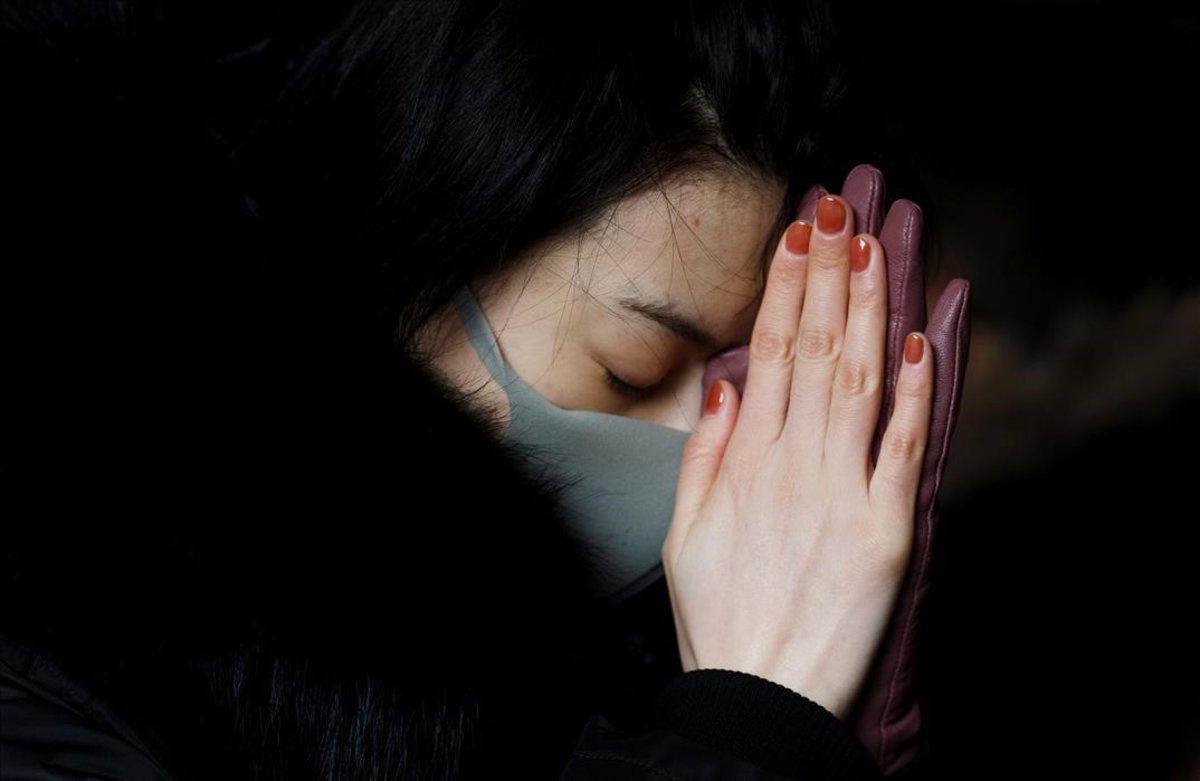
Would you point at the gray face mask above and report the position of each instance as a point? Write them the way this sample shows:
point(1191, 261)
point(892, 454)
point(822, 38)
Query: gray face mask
point(620, 473)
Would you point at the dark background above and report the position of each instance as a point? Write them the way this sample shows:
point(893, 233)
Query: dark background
point(1055, 151)
point(1055, 144)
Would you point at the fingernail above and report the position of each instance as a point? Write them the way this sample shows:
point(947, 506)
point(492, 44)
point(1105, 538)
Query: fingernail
point(860, 254)
point(796, 238)
point(914, 348)
point(716, 397)
point(831, 215)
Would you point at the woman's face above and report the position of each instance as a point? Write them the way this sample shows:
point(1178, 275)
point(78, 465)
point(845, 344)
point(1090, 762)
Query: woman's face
point(645, 298)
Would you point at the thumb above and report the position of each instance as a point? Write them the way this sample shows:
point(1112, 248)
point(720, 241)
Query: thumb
point(702, 456)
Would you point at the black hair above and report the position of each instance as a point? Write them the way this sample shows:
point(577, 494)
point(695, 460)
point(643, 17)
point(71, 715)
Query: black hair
point(435, 141)
point(217, 459)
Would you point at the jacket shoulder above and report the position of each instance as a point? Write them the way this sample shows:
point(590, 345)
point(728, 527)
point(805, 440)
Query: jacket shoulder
point(50, 726)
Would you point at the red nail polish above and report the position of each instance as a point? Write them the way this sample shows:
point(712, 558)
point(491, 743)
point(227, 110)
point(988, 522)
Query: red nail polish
point(914, 348)
point(831, 215)
point(716, 397)
point(860, 254)
point(796, 238)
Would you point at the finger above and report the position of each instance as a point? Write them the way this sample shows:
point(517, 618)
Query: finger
point(822, 326)
point(900, 238)
point(773, 339)
point(807, 210)
point(702, 455)
point(898, 468)
point(949, 337)
point(864, 189)
point(858, 379)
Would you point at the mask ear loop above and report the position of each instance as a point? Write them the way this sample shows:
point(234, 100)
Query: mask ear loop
point(483, 339)
point(481, 335)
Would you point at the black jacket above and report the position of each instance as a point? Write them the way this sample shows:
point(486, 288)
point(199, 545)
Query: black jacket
point(708, 724)
point(323, 631)
point(243, 536)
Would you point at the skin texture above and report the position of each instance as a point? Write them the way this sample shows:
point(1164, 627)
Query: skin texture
point(788, 548)
point(700, 244)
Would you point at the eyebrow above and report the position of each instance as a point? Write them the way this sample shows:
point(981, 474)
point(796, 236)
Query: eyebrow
point(665, 315)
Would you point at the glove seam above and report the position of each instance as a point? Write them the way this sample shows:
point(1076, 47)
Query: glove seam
point(884, 746)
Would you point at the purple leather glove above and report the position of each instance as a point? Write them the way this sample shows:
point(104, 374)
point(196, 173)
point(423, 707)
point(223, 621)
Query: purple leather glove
point(887, 714)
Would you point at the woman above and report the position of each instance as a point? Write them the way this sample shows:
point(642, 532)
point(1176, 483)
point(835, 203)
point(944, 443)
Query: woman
point(317, 387)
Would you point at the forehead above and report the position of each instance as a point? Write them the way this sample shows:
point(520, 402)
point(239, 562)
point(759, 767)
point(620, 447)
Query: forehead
point(700, 245)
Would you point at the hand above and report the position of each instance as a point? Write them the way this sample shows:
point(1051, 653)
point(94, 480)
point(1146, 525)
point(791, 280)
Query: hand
point(887, 717)
point(787, 547)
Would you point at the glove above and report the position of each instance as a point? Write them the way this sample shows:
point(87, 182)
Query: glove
point(887, 714)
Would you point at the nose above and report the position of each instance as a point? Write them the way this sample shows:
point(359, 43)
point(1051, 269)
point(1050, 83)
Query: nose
point(730, 365)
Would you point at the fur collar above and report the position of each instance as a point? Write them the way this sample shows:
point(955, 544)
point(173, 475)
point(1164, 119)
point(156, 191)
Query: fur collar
point(376, 591)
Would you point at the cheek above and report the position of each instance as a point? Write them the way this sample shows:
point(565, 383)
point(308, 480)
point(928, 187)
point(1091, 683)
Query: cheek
point(579, 386)
point(677, 402)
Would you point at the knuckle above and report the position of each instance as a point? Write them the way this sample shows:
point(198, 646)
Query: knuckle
point(816, 344)
point(788, 274)
point(868, 296)
point(916, 389)
point(854, 379)
point(901, 446)
point(769, 346)
point(827, 258)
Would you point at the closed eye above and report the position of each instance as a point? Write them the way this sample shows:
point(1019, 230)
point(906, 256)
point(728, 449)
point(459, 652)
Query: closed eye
point(627, 389)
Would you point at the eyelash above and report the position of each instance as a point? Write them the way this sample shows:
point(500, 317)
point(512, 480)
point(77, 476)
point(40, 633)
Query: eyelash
point(624, 388)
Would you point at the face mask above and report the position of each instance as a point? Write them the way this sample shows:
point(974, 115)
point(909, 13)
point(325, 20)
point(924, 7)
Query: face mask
point(620, 473)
